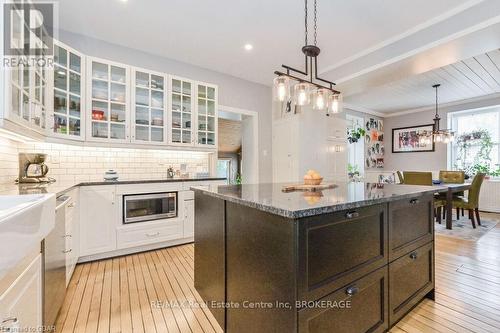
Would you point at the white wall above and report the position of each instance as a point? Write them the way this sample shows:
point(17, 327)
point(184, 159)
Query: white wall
point(233, 92)
point(436, 160)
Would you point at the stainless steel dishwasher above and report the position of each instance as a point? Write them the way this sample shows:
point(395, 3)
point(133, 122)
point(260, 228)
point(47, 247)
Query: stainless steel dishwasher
point(54, 249)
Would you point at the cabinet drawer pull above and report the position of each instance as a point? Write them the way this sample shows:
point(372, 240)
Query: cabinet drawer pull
point(153, 235)
point(351, 215)
point(352, 290)
point(414, 201)
point(413, 255)
point(67, 251)
point(71, 205)
point(66, 236)
point(10, 321)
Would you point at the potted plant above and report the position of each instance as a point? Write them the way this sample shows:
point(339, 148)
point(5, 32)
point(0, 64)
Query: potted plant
point(354, 134)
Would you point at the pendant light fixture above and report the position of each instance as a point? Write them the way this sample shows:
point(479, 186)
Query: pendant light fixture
point(438, 135)
point(309, 88)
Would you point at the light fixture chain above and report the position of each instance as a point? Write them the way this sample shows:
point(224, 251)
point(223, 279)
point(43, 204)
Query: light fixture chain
point(305, 19)
point(315, 23)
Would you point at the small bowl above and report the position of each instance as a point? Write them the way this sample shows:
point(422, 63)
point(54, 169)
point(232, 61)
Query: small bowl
point(313, 181)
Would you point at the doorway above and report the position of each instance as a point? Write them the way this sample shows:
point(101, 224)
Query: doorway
point(237, 157)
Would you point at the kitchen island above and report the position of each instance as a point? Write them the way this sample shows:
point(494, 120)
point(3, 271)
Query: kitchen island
point(355, 258)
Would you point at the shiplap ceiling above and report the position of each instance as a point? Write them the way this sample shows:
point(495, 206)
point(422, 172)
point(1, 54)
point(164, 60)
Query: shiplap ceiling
point(211, 33)
point(470, 78)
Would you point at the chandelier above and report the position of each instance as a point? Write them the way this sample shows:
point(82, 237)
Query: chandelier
point(437, 135)
point(309, 88)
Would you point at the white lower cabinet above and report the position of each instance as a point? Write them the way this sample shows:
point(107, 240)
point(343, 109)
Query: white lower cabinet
point(188, 214)
point(72, 233)
point(21, 304)
point(149, 233)
point(98, 218)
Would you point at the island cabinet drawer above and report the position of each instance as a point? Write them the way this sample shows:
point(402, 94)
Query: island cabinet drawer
point(411, 277)
point(411, 224)
point(361, 306)
point(338, 248)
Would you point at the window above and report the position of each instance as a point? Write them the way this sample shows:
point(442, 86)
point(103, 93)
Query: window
point(470, 122)
point(356, 151)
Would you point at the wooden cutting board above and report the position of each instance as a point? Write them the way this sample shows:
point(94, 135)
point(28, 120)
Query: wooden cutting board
point(311, 188)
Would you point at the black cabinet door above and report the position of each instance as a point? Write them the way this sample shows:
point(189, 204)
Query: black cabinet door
point(411, 224)
point(209, 252)
point(360, 307)
point(336, 249)
point(411, 277)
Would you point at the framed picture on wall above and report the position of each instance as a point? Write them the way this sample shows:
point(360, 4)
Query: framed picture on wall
point(406, 139)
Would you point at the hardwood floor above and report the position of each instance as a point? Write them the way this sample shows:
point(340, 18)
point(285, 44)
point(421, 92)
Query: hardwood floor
point(116, 295)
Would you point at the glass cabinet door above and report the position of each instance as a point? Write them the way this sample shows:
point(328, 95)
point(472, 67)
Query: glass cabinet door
point(108, 101)
point(206, 103)
point(149, 93)
point(68, 93)
point(181, 106)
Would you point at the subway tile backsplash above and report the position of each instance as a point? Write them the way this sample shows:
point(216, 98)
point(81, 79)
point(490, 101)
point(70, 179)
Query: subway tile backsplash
point(77, 163)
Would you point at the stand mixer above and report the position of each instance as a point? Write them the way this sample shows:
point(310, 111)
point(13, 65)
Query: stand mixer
point(32, 169)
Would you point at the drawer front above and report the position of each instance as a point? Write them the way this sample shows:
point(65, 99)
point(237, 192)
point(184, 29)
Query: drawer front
point(365, 311)
point(130, 237)
point(411, 277)
point(330, 250)
point(411, 224)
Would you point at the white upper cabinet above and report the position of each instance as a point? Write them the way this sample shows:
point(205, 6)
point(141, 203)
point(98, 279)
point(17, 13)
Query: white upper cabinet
point(149, 112)
point(26, 92)
point(107, 101)
point(67, 99)
point(181, 111)
point(206, 109)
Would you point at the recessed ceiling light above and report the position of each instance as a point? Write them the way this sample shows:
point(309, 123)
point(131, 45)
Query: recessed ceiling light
point(248, 47)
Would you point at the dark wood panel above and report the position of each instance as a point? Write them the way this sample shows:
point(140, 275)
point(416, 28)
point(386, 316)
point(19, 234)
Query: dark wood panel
point(366, 311)
point(338, 248)
point(260, 270)
point(411, 225)
point(209, 252)
point(411, 277)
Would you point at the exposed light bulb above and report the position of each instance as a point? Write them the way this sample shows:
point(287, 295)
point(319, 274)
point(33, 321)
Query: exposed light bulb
point(334, 104)
point(281, 91)
point(321, 99)
point(248, 47)
point(302, 96)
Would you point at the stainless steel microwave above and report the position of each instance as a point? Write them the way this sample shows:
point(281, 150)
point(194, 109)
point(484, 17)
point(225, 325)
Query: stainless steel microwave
point(149, 207)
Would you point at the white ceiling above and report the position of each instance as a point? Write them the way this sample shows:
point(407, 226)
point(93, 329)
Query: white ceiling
point(470, 78)
point(211, 33)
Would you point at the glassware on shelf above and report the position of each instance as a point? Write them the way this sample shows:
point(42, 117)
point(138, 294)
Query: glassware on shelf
point(176, 102)
point(186, 88)
point(74, 83)
point(176, 120)
point(157, 99)
point(75, 63)
point(74, 106)
point(141, 115)
point(186, 104)
point(157, 82)
point(99, 130)
point(177, 86)
point(117, 131)
point(117, 113)
point(60, 102)
point(186, 136)
point(156, 117)
point(60, 124)
point(74, 126)
point(142, 133)
point(141, 96)
point(211, 93)
point(202, 106)
point(142, 79)
point(60, 77)
point(176, 135)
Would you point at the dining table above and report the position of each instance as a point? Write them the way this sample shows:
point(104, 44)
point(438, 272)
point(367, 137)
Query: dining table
point(452, 188)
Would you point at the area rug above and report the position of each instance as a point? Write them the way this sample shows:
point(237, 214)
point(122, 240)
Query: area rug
point(463, 228)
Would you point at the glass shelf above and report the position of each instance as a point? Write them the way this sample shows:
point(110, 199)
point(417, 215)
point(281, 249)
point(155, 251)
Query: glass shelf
point(206, 106)
point(149, 107)
point(67, 92)
point(109, 98)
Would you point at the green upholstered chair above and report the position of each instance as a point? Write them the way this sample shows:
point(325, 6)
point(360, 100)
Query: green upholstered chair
point(471, 203)
point(400, 177)
point(417, 178)
point(452, 177)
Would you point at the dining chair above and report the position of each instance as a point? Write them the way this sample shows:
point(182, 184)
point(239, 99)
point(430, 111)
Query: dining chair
point(452, 177)
point(417, 178)
point(471, 202)
point(400, 177)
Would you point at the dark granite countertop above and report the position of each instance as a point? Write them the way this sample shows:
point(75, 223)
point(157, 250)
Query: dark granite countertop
point(60, 188)
point(270, 197)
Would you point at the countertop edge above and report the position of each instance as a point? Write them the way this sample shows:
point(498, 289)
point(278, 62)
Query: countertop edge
point(316, 210)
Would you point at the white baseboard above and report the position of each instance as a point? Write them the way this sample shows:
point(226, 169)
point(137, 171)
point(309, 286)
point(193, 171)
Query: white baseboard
point(137, 249)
